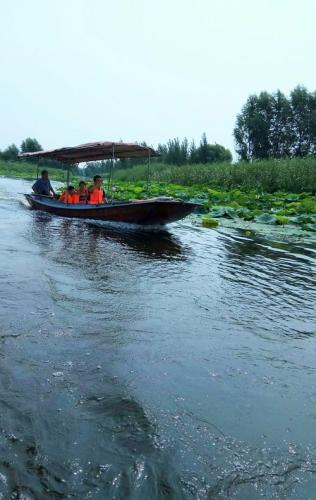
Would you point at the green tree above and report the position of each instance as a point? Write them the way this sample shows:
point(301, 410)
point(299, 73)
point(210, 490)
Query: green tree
point(30, 145)
point(272, 125)
point(217, 154)
point(313, 122)
point(202, 152)
point(253, 127)
point(211, 153)
point(281, 131)
point(193, 153)
point(175, 152)
point(10, 153)
point(301, 102)
point(243, 133)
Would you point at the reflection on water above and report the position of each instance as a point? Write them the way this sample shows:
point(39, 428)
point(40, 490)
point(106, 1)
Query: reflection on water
point(158, 243)
point(154, 243)
point(159, 363)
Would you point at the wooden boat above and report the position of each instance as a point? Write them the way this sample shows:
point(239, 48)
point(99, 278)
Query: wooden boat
point(144, 212)
point(150, 211)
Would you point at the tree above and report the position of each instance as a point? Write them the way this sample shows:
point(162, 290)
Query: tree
point(175, 152)
point(211, 153)
point(252, 131)
point(301, 101)
point(202, 152)
point(30, 145)
point(192, 153)
point(243, 133)
point(217, 154)
point(10, 153)
point(313, 122)
point(281, 131)
point(274, 126)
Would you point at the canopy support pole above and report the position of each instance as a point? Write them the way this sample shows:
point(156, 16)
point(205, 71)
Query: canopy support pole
point(68, 180)
point(111, 171)
point(37, 171)
point(148, 172)
point(68, 175)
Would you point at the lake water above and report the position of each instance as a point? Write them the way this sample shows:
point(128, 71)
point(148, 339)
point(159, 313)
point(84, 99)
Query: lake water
point(174, 363)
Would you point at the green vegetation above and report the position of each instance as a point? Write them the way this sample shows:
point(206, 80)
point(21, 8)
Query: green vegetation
point(274, 126)
point(292, 175)
point(26, 170)
point(174, 152)
point(177, 152)
point(29, 145)
point(209, 222)
point(274, 184)
point(248, 209)
point(234, 208)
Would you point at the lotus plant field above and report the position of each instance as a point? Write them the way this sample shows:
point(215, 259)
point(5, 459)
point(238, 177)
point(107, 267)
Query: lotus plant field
point(294, 213)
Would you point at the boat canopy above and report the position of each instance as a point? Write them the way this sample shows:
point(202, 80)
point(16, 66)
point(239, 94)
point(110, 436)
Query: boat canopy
point(94, 151)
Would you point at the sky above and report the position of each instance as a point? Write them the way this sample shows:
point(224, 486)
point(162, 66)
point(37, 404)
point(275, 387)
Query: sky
point(75, 71)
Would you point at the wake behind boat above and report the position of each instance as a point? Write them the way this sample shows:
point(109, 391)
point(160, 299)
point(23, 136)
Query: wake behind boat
point(148, 212)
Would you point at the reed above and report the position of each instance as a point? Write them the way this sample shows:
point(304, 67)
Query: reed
point(292, 175)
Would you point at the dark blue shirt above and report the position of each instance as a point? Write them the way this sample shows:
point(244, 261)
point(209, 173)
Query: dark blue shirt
point(42, 187)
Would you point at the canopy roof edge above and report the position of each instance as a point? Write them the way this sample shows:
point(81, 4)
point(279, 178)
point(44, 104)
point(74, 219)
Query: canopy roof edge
point(94, 151)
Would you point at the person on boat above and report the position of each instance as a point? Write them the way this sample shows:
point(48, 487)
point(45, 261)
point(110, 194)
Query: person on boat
point(82, 192)
point(69, 196)
point(43, 186)
point(96, 192)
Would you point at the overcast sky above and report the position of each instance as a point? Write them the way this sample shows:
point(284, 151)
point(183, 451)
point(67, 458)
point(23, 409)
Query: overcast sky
point(75, 71)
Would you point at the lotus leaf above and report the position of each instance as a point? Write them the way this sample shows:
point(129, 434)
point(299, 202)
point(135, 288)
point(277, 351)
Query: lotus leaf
point(138, 189)
point(222, 211)
point(266, 218)
point(305, 219)
point(309, 227)
point(209, 222)
point(281, 220)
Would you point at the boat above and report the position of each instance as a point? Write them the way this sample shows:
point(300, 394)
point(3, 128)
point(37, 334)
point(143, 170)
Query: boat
point(160, 211)
point(145, 212)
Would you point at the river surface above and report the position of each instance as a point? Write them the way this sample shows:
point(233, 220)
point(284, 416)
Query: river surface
point(135, 363)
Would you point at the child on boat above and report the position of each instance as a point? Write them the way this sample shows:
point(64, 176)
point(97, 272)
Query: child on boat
point(69, 196)
point(82, 192)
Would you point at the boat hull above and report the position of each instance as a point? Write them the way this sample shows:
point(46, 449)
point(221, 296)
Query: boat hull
point(147, 212)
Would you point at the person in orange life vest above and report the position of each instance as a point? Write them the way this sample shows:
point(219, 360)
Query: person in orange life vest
point(68, 196)
point(96, 193)
point(82, 192)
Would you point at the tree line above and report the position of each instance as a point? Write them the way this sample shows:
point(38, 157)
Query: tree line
point(29, 145)
point(177, 152)
point(174, 152)
point(271, 125)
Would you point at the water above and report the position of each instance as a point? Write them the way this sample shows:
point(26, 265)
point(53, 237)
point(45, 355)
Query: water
point(149, 364)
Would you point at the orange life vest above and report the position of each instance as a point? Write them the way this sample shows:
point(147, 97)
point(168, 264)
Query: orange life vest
point(75, 198)
point(66, 197)
point(96, 196)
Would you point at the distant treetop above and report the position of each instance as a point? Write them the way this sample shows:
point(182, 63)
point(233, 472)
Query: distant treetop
point(177, 152)
point(276, 126)
point(30, 145)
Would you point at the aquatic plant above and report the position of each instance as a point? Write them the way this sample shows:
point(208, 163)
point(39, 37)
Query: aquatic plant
point(209, 222)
